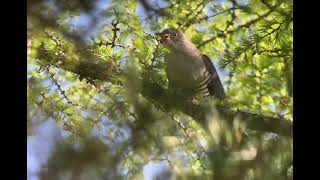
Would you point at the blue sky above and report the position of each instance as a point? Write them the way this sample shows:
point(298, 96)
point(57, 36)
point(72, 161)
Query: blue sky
point(154, 169)
point(39, 146)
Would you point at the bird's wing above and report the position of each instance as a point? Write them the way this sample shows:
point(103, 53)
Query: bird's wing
point(214, 86)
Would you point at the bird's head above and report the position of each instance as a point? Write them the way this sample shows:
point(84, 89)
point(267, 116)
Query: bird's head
point(172, 38)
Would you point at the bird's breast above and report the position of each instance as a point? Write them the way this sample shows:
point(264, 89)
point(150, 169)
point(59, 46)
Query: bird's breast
point(184, 70)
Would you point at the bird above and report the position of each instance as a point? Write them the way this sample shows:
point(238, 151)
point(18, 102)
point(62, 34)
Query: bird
point(187, 68)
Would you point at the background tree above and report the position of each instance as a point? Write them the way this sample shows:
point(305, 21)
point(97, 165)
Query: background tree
point(96, 68)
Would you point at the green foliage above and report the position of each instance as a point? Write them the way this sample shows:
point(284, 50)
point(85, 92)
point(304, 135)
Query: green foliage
point(113, 80)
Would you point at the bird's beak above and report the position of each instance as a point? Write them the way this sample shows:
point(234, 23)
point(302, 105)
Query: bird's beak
point(163, 37)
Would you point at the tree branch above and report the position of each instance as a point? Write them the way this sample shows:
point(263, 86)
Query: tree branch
point(224, 33)
point(164, 98)
point(199, 112)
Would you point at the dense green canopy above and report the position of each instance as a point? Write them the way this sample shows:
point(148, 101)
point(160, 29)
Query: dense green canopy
point(96, 66)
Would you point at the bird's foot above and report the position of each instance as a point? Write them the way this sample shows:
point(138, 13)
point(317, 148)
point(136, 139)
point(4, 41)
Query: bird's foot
point(194, 101)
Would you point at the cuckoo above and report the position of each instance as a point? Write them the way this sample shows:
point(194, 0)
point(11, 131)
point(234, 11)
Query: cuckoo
point(189, 69)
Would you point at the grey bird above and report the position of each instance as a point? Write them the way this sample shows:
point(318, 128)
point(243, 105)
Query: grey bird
point(187, 68)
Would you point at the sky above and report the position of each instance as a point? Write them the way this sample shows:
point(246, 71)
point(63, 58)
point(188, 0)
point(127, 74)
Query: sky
point(39, 146)
point(47, 133)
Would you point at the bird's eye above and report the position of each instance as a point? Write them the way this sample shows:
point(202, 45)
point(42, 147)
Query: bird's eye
point(176, 34)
